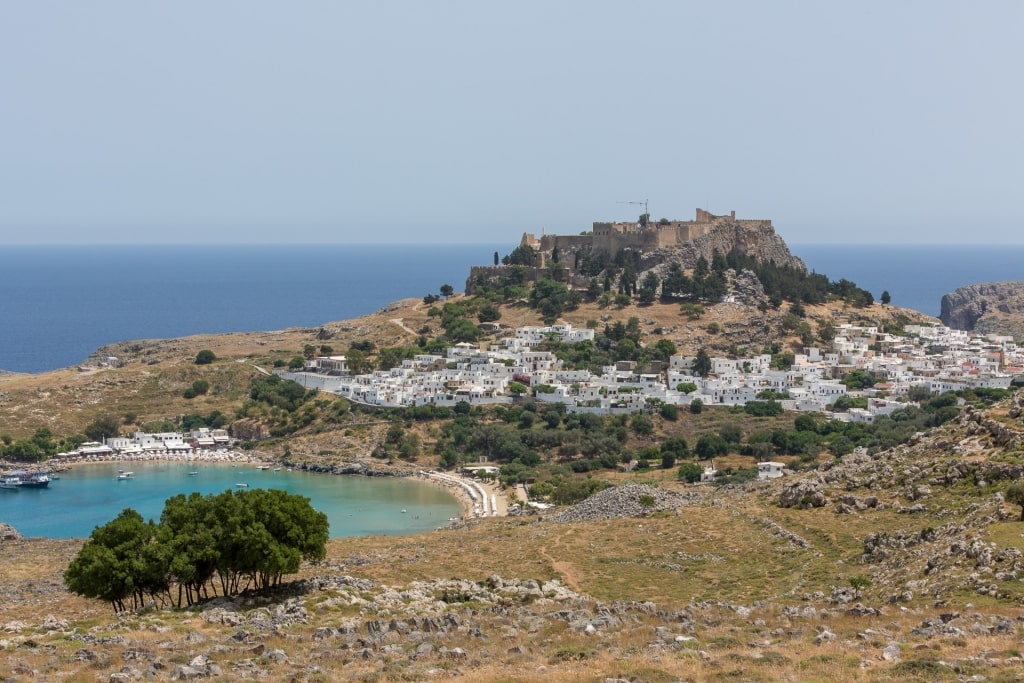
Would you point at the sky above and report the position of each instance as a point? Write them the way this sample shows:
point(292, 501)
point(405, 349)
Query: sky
point(253, 121)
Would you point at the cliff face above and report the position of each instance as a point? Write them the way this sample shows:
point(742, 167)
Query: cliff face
point(987, 307)
point(761, 242)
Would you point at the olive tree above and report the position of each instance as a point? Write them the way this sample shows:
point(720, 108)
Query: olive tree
point(1015, 494)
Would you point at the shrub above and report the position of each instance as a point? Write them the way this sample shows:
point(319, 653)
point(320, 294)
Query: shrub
point(690, 472)
point(205, 357)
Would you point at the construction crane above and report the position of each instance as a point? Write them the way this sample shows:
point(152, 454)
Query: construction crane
point(645, 217)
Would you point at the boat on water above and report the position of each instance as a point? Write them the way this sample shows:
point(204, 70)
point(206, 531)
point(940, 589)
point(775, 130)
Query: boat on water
point(242, 486)
point(263, 467)
point(11, 482)
point(126, 475)
point(34, 480)
point(192, 474)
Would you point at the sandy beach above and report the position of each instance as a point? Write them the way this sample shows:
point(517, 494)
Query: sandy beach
point(477, 498)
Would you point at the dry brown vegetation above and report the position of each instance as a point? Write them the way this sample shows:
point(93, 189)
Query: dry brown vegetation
point(746, 601)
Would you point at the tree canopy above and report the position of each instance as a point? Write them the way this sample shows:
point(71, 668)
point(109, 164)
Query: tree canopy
point(202, 546)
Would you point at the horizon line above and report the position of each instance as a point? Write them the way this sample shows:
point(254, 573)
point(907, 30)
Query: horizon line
point(456, 243)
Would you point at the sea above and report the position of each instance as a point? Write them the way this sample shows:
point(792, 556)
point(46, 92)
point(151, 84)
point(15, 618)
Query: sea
point(60, 303)
point(89, 495)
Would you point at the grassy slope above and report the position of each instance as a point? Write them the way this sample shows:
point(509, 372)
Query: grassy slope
point(719, 549)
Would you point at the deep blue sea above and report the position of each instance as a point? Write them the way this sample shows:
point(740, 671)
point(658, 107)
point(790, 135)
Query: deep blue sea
point(59, 304)
point(916, 276)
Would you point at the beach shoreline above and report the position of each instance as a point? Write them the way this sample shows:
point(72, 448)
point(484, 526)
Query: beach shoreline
point(476, 498)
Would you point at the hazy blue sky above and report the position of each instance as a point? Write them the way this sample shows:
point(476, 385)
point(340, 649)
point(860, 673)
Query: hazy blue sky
point(255, 121)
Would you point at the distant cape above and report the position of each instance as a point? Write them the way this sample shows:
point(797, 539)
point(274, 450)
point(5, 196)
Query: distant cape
point(987, 308)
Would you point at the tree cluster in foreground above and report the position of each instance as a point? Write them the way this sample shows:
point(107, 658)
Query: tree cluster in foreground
point(203, 546)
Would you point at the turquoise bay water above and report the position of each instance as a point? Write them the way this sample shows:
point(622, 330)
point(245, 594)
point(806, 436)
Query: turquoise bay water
point(90, 495)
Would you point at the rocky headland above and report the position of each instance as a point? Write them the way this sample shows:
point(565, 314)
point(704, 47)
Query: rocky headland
point(987, 308)
point(760, 242)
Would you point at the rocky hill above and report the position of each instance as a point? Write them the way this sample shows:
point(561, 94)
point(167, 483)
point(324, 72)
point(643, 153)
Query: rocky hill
point(987, 307)
point(904, 564)
point(761, 242)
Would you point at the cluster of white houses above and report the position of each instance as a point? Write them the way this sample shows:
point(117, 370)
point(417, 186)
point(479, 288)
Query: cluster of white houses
point(934, 357)
point(144, 445)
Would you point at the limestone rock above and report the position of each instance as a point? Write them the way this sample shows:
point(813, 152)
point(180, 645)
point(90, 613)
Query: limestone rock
point(803, 494)
point(987, 307)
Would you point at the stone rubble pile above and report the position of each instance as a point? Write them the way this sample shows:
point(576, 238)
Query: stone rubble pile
point(627, 500)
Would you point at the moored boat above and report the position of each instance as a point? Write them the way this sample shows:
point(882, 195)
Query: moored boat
point(126, 475)
point(34, 480)
point(10, 482)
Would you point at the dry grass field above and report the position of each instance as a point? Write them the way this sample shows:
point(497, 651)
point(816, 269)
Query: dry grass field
point(727, 587)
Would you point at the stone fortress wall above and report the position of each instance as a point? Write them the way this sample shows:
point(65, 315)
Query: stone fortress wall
point(613, 237)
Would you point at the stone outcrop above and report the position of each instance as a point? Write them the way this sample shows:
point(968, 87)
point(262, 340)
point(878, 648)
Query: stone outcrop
point(987, 307)
point(722, 235)
point(761, 242)
point(8, 533)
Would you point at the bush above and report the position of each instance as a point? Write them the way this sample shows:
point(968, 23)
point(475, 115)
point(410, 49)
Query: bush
point(205, 357)
point(690, 472)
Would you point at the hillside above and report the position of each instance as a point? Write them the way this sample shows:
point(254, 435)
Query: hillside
point(904, 564)
point(154, 374)
point(910, 570)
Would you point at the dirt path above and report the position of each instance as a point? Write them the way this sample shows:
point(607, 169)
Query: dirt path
point(398, 321)
point(566, 569)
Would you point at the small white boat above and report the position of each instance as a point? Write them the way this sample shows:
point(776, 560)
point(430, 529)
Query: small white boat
point(263, 467)
point(404, 511)
point(192, 474)
point(10, 481)
point(242, 486)
point(277, 469)
point(126, 475)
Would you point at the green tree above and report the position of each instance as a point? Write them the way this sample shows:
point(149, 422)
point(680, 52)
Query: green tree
point(696, 406)
point(731, 432)
point(488, 313)
point(1015, 495)
point(886, 298)
point(710, 445)
point(690, 472)
point(668, 460)
point(642, 425)
point(677, 446)
point(549, 297)
point(826, 331)
point(110, 565)
point(102, 428)
point(205, 357)
point(664, 349)
point(447, 290)
point(357, 362)
point(648, 288)
point(702, 363)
